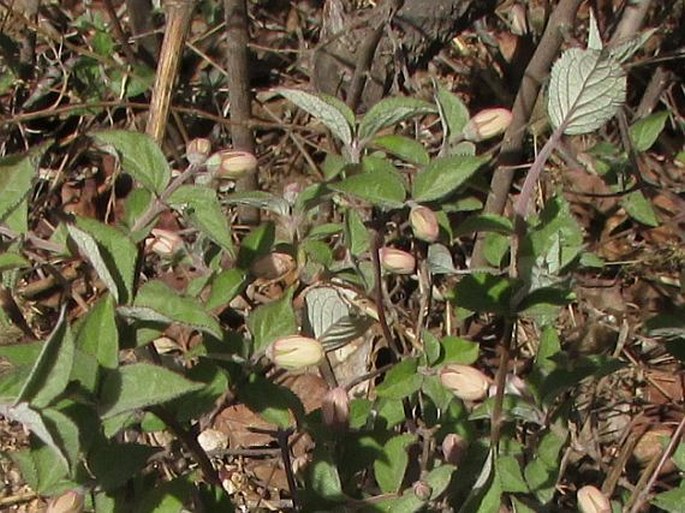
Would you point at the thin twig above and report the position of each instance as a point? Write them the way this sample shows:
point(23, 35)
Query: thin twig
point(179, 15)
point(238, 83)
point(644, 492)
point(560, 22)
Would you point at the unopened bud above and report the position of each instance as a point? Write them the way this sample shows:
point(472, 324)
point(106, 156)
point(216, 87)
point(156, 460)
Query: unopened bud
point(231, 164)
point(487, 124)
point(396, 261)
point(68, 502)
point(165, 242)
point(335, 409)
point(295, 352)
point(198, 150)
point(591, 500)
point(422, 491)
point(454, 448)
point(424, 223)
point(465, 382)
point(291, 191)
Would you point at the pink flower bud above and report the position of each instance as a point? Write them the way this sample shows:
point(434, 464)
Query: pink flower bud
point(465, 382)
point(396, 261)
point(335, 409)
point(68, 502)
point(164, 242)
point(591, 500)
point(231, 164)
point(295, 352)
point(424, 223)
point(422, 490)
point(454, 448)
point(487, 124)
point(198, 150)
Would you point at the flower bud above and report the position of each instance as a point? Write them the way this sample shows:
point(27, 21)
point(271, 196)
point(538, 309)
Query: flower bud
point(396, 261)
point(198, 150)
point(422, 491)
point(68, 502)
point(465, 382)
point(231, 164)
point(335, 409)
point(295, 352)
point(454, 448)
point(487, 123)
point(165, 243)
point(424, 223)
point(591, 500)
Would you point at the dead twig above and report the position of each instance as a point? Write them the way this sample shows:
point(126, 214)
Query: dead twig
point(238, 81)
point(179, 14)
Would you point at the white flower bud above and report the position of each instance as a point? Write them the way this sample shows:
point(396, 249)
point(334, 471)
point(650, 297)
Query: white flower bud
point(68, 502)
point(487, 123)
point(424, 223)
point(335, 409)
point(396, 261)
point(591, 500)
point(231, 164)
point(465, 382)
point(295, 352)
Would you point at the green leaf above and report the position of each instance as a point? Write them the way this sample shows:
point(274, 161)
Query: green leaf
point(140, 155)
point(34, 422)
point(439, 479)
point(390, 468)
point(12, 261)
point(158, 297)
point(484, 223)
point(136, 203)
point(431, 347)
point(645, 131)
point(271, 321)
point(640, 209)
point(378, 184)
point(169, 497)
point(458, 350)
point(45, 472)
point(129, 458)
point(97, 335)
point(482, 292)
point(225, 287)
point(17, 175)
point(404, 148)
point(391, 111)
point(201, 208)
point(357, 237)
point(323, 476)
point(508, 471)
point(672, 501)
point(141, 385)
point(257, 243)
point(586, 89)
point(50, 373)
point(401, 381)
point(439, 260)
point(276, 404)
point(66, 433)
point(259, 199)
point(443, 176)
point(332, 317)
point(453, 112)
point(330, 111)
point(114, 256)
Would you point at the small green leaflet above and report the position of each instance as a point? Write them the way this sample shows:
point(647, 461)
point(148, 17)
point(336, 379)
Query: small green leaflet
point(586, 89)
point(330, 111)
